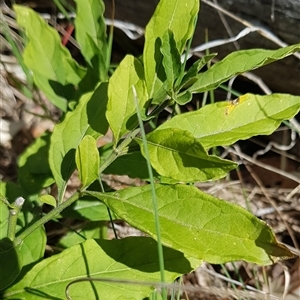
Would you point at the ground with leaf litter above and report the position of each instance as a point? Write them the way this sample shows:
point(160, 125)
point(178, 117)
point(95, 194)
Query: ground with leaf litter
point(266, 183)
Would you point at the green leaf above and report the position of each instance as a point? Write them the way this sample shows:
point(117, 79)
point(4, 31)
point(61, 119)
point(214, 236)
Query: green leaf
point(55, 72)
point(91, 35)
point(184, 98)
point(170, 59)
point(15, 260)
point(87, 209)
point(198, 224)
point(34, 170)
point(33, 247)
point(132, 164)
point(191, 75)
point(92, 230)
point(87, 160)
point(121, 108)
point(176, 154)
point(48, 199)
point(11, 263)
point(133, 258)
point(87, 119)
point(169, 15)
point(236, 63)
point(224, 123)
point(188, 79)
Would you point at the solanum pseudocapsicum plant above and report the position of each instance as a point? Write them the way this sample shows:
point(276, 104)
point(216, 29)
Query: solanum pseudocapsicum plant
point(193, 226)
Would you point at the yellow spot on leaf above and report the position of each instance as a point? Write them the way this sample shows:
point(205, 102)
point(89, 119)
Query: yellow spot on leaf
point(234, 103)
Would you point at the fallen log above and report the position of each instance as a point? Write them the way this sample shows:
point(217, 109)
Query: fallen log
point(280, 18)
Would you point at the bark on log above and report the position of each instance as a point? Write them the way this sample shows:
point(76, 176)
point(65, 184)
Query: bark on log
point(282, 76)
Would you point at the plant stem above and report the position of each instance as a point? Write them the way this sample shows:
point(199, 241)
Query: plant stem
point(154, 198)
point(118, 151)
point(19, 239)
point(13, 217)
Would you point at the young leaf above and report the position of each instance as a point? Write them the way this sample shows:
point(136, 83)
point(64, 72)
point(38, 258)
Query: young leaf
point(91, 35)
point(191, 75)
point(169, 15)
point(133, 258)
point(184, 98)
point(48, 199)
point(121, 108)
point(87, 119)
point(34, 170)
point(55, 72)
point(224, 123)
point(198, 224)
point(87, 160)
point(170, 59)
point(236, 63)
point(176, 154)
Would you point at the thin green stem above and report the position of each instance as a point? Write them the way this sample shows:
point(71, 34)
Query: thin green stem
point(108, 210)
point(228, 276)
point(3, 199)
point(13, 217)
point(232, 91)
point(118, 151)
point(154, 198)
point(63, 10)
point(53, 213)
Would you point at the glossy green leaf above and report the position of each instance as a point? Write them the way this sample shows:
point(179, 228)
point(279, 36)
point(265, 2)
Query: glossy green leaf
point(133, 258)
point(177, 16)
point(87, 119)
point(87, 160)
point(34, 170)
point(224, 123)
point(91, 35)
point(198, 224)
point(121, 108)
point(236, 63)
point(170, 59)
point(176, 154)
point(55, 72)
